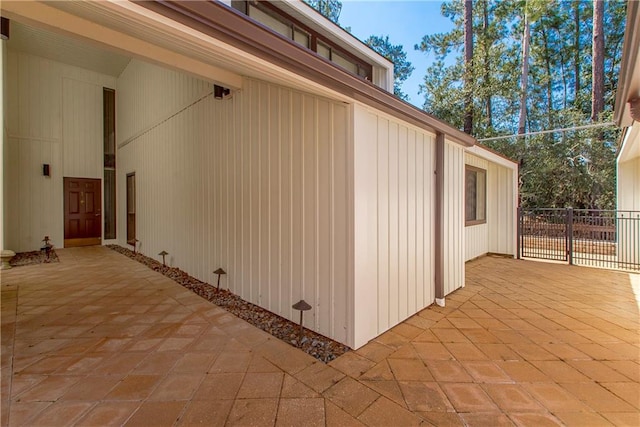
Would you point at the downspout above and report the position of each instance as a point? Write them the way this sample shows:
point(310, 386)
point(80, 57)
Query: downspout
point(439, 220)
point(3, 142)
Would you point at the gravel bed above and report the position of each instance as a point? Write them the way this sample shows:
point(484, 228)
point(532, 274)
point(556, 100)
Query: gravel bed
point(318, 346)
point(35, 257)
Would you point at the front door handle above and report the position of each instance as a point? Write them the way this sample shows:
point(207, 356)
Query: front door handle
point(97, 214)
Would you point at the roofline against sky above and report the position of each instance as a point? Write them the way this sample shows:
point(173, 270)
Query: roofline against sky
point(232, 27)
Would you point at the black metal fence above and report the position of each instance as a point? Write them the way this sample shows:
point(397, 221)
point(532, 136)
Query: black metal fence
point(598, 238)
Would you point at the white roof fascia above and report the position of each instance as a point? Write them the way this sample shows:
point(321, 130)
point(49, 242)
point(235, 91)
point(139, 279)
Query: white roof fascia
point(480, 151)
point(630, 144)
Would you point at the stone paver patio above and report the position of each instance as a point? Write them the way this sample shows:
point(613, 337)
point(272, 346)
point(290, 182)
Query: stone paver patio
point(99, 339)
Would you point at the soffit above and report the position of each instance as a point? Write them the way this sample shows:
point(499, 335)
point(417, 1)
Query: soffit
point(631, 144)
point(224, 42)
point(117, 16)
point(234, 29)
point(57, 47)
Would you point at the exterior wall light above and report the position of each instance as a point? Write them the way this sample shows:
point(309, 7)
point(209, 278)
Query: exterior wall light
point(220, 92)
point(5, 26)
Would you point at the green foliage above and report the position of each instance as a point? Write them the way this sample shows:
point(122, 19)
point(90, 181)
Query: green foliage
point(558, 170)
point(328, 8)
point(402, 68)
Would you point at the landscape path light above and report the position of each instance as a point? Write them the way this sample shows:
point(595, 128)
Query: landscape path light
point(219, 272)
point(133, 242)
point(164, 254)
point(303, 306)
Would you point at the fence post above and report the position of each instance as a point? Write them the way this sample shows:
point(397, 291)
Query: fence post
point(569, 235)
point(518, 232)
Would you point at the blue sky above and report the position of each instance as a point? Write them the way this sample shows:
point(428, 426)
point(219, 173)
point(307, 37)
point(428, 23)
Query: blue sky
point(405, 22)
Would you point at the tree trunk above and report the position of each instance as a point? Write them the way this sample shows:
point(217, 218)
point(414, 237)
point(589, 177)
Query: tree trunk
point(576, 55)
point(526, 35)
point(547, 60)
point(487, 65)
point(597, 90)
point(468, 66)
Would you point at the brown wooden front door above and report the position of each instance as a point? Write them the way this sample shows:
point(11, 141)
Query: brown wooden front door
point(82, 212)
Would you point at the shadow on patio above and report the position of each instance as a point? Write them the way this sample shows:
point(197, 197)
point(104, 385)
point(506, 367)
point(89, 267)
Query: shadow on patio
point(98, 339)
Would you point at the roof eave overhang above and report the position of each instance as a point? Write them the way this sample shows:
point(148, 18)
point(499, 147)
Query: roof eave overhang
point(492, 156)
point(230, 26)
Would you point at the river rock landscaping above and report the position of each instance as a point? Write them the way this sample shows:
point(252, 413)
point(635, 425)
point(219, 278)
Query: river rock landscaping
point(312, 343)
point(33, 257)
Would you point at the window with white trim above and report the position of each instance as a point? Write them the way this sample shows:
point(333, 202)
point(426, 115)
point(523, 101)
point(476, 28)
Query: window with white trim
point(475, 195)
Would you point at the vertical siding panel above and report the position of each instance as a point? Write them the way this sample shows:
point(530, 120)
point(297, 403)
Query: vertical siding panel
point(429, 209)
point(340, 255)
point(23, 78)
point(23, 194)
point(403, 255)
point(11, 91)
point(383, 207)
point(12, 210)
point(365, 223)
point(411, 224)
point(241, 230)
point(297, 199)
point(390, 132)
point(252, 189)
point(422, 283)
point(454, 217)
point(324, 209)
point(285, 205)
point(263, 185)
point(297, 165)
point(275, 262)
point(309, 219)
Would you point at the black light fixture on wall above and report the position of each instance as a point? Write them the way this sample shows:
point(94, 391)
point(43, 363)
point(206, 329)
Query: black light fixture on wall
point(5, 25)
point(46, 170)
point(220, 92)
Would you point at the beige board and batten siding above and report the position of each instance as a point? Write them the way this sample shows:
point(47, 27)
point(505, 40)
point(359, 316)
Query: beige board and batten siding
point(255, 184)
point(628, 170)
point(477, 235)
point(393, 193)
point(454, 216)
point(502, 206)
point(628, 199)
point(498, 234)
point(54, 117)
point(629, 185)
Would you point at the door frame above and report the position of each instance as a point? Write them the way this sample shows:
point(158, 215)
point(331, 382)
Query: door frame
point(84, 241)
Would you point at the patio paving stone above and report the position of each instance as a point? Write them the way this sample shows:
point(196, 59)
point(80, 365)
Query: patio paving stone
point(205, 413)
point(384, 412)
point(296, 412)
point(108, 414)
point(99, 339)
point(486, 419)
point(351, 396)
